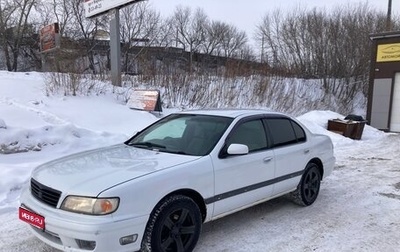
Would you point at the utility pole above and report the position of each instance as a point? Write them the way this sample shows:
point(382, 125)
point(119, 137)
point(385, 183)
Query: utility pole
point(389, 16)
point(95, 8)
point(262, 49)
point(115, 46)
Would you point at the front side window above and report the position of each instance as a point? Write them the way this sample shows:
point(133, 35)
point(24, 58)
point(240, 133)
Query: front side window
point(250, 133)
point(183, 134)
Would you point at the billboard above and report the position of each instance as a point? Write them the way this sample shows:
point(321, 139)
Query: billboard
point(148, 100)
point(49, 38)
point(97, 7)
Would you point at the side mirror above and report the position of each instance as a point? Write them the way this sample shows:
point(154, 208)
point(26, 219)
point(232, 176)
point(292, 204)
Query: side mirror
point(238, 149)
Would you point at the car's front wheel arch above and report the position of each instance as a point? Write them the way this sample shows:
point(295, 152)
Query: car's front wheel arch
point(173, 225)
point(195, 196)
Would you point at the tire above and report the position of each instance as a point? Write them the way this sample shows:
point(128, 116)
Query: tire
point(308, 188)
point(173, 226)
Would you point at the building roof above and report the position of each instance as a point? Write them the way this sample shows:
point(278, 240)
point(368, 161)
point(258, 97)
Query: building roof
point(389, 34)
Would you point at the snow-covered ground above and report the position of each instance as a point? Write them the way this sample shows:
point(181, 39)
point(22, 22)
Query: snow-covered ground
point(358, 208)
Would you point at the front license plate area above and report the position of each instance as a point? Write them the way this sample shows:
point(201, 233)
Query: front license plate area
point(31, 218)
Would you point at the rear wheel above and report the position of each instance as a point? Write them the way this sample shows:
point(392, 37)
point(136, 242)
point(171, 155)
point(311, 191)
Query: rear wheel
point(308, 189)
point(174, 226)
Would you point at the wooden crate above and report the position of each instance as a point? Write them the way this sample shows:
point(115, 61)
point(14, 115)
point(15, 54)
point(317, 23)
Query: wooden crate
point(347, 128)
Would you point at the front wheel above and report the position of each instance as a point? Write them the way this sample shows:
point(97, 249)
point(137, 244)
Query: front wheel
point(308, 189)
point(174, 226)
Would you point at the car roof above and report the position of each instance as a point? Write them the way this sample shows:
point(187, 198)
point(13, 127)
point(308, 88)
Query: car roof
point(233, 113)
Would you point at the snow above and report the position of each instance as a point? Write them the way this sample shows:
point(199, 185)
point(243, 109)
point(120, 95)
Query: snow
point(357, 209)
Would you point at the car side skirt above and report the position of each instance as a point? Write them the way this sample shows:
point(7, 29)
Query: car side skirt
point(251, 205)
point(253, 187)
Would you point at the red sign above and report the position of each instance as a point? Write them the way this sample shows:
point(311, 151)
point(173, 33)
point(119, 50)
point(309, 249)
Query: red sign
point(48, 37)
point(31, 218)
point(148, 100)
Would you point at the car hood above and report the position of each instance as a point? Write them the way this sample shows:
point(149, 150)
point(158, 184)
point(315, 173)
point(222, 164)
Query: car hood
point(91, 172)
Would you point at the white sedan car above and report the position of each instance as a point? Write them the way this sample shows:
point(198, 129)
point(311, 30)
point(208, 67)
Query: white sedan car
point(154, 192)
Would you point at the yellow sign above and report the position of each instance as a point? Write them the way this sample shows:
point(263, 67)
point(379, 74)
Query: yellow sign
point(388, 53)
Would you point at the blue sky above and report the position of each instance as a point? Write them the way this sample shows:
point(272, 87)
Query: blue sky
point(247, 14)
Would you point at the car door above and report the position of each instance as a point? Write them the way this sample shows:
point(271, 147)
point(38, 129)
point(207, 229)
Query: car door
point(241, 180)
point(291, 152)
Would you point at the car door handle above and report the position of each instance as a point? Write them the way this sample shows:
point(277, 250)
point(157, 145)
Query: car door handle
point(306, 151)
point(267, 159)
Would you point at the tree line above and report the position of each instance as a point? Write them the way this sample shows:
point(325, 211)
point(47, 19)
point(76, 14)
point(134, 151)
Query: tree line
point(303, 43)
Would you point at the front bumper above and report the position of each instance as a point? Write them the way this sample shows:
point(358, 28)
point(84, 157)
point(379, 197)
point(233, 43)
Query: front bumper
point(81, 233)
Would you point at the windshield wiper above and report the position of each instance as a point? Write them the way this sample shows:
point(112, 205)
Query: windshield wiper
point(176, 152)
point(148, 145)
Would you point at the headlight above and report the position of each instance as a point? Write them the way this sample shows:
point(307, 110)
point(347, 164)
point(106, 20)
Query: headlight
point(93, 206)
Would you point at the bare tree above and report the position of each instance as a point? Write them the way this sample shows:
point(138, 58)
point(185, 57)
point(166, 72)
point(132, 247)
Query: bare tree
point(14, 28)
point(316, 43)
point(332, 47)
point(268, 38)
point(215, 31)
point(84, 30)
point(233, 41)
point(139, 27)
point(62, 10)
point(165, 33)
point(190, 30)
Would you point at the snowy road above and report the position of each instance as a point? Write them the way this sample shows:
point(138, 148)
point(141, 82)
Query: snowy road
point(358, 210)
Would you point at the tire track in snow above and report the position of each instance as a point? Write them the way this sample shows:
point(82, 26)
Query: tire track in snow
point(46, 116)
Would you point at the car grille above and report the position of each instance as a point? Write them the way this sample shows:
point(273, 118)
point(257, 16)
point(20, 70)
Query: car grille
point(44, 193)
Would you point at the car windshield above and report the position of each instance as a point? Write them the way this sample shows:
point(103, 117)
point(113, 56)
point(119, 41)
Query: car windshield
point(183, 134)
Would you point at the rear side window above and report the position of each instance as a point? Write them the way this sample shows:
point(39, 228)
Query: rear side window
point(285, 131)
point(300, 135)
